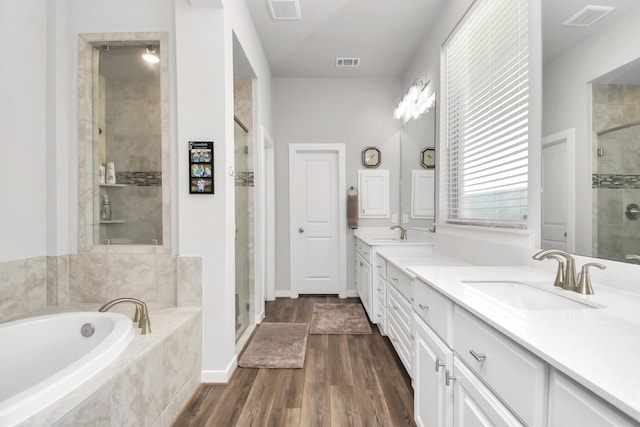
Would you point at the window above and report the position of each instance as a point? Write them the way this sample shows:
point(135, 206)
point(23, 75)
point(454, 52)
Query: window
point(486, 115)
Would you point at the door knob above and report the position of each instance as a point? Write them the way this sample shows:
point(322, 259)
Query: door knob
point(300, 230)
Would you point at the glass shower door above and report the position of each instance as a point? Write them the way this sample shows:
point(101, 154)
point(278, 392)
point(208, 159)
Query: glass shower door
point(243, 190)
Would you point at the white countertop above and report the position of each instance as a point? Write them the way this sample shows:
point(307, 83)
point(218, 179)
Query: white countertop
point(597, 347)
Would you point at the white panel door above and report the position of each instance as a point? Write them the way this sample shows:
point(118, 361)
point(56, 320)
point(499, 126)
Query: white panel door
point(314, 222)
point(557, 192)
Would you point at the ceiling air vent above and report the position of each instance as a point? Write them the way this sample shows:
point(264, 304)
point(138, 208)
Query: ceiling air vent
point(284, 9)
point(347, 62)
point(588, 16)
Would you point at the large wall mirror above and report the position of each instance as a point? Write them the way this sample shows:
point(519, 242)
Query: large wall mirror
point(417, 182)
point(123, 141)
point(592, 88)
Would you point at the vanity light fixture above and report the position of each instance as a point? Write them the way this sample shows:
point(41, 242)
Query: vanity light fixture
point(150, 55)
point(415, 102)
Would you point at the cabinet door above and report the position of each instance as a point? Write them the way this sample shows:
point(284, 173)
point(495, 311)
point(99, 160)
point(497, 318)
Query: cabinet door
point(474, 404)
point(374, 193)
point(363, 271)
point(570, 404)
point(433, 400)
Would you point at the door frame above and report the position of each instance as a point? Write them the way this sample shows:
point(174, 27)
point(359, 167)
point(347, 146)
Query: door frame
point(567, 137)
point(339, 149)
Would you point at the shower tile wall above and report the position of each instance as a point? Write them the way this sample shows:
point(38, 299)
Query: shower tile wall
point(133, 142)
point(616, 181)
point(23, 287)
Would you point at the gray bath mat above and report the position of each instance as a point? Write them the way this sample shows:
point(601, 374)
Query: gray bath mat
point(276, 345)
point(339, 319)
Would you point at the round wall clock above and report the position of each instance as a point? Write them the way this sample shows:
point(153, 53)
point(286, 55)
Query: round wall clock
point(371, 157)
point(428, 158)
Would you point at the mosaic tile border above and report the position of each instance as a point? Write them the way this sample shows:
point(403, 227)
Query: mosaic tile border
point(140, 178)
point(612, 181)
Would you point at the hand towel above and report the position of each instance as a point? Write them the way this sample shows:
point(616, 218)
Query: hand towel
point(352, 210)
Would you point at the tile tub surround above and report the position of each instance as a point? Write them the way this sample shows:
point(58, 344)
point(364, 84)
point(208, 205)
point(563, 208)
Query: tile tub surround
point(23, 287)
point(147, 385)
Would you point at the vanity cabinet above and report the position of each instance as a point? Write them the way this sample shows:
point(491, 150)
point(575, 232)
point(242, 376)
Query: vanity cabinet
point(570, 404)
point(363, 282)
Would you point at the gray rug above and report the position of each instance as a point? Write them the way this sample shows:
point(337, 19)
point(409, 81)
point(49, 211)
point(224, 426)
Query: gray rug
point(339, 319)
point(276, 345)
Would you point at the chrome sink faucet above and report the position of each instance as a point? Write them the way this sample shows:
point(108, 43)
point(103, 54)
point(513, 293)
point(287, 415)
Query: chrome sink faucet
point(567, 277)
point(403, 231)
point(141, 314)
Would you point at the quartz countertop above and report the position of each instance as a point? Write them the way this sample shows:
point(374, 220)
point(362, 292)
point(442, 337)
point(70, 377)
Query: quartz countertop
point(597, 347)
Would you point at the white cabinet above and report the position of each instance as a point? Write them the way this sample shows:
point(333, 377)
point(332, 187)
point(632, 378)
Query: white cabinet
point(570, 404)
point(374, 193)
point(474, 404)
point(433, 400)
point(423, 184)
point(363, 282)
point(380, 292)
point(399, 317)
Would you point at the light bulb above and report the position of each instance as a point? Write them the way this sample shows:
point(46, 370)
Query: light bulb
point(151, 56)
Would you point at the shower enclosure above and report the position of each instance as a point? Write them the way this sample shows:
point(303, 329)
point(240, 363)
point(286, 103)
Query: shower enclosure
point(616, 179)
point(244, 227)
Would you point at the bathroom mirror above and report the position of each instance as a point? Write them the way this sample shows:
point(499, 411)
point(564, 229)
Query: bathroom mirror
point(123, 141)
point(417, 183)
point(610, 97)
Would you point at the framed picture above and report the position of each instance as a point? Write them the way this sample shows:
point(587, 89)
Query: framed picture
point(201, 167)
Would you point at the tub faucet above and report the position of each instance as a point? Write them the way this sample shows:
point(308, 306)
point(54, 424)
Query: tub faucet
point(403, 231)
point(141, 315)
point(568, 276)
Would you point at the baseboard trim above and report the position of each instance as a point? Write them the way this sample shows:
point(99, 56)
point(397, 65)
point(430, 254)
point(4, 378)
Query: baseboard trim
point(283, 294)
point(220, 377)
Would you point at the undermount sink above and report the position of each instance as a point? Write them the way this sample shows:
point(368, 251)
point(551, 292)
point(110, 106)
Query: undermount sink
point(388, 240)
point(528, 296)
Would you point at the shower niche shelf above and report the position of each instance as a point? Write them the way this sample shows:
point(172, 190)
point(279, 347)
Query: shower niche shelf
point(113, 185)
point(113, 221)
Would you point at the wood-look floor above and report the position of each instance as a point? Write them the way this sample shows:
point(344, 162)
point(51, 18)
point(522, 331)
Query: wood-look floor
point(347, 380)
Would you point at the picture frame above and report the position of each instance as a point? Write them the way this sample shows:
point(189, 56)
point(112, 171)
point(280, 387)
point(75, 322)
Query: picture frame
point(428, 158)
point(201, 180)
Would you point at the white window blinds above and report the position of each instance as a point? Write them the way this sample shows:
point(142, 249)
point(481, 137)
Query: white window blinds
point(486, 91)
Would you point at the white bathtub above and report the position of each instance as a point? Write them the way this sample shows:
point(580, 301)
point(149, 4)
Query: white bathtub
point(43, 358)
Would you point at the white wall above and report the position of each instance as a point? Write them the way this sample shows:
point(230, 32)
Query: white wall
point(23, 129)
point(567, 101)
point(355, 112)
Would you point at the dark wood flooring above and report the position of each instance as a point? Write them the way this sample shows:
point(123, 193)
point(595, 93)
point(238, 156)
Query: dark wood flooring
point(347, 380)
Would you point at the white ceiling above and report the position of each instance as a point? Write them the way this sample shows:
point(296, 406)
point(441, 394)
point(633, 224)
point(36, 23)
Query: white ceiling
point(385, 34)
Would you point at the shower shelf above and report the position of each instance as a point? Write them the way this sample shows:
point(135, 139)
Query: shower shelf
point(112, 185)
point(113, 221)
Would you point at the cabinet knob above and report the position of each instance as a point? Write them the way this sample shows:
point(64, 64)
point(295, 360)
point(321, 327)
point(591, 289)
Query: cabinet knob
point(478, 356)
point(423, 307)
point(439, 364)
point(395, 279)
point(379, 289)
point(395, 307)
point(448, 377)
point(300, 230)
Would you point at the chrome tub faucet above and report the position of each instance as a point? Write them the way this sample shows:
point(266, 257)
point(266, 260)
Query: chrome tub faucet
point(141, 314)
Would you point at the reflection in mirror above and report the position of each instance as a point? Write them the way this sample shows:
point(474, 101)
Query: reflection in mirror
point(125, 141)
point(417, 184)
point(616, 145)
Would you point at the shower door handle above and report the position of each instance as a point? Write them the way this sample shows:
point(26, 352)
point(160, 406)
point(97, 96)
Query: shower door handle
point(300, 230)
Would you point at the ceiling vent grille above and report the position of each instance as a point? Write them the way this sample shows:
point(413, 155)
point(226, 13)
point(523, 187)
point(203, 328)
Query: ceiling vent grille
point(588, 16)
point(347, 62)
point(286, 10)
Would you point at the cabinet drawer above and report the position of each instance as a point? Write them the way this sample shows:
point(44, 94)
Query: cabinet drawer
point(401, 342)
point(401, 281)
point(364, 250)
point(435, 309)
point(381, 292)
point(381, 267)
point(400, 308)
point(519, 378)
